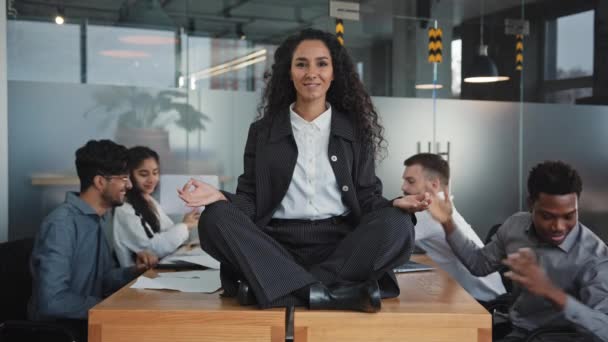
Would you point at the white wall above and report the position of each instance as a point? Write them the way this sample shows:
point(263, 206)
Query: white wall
point(3, 129)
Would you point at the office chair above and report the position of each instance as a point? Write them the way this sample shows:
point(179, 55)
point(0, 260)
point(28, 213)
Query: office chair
point(499, 307)
point(505, 281)
point(15, 291)
point(491, 233)
point(559, 333)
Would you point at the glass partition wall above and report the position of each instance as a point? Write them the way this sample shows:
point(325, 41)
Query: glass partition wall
point(185, 78)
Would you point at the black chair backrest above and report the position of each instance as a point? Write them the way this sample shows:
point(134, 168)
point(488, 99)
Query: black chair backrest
point(491, 233)
point(505, 281)
point(15, 279)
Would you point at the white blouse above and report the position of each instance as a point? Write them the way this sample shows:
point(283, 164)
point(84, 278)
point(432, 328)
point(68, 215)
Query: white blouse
point(130, 237)
point(313, 192)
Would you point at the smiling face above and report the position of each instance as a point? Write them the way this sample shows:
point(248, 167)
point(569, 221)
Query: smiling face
point(554, 216)
point(115, 189)
point(146, 175)
point(311, 71)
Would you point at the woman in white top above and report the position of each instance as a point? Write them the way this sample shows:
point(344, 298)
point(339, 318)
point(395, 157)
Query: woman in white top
point(140, 223)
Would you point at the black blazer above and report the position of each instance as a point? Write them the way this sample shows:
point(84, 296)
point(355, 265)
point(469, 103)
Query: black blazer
point(270, 158)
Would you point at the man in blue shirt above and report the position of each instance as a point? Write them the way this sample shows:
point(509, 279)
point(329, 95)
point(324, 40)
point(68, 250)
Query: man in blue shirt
point(71, 264)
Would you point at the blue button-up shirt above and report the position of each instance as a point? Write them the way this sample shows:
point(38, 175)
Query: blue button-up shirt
point(71, 264)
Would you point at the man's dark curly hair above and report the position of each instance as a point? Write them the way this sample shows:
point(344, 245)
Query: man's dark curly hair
point(100, 157)
point(553, 178)
point(346, 93)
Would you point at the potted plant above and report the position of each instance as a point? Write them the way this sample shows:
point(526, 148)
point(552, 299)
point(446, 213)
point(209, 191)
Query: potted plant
point(141, 115)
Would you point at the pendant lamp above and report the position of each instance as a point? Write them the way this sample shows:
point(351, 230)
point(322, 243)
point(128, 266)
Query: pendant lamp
point(483, 69)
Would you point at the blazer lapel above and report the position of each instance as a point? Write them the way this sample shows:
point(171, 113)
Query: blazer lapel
point(276, 167)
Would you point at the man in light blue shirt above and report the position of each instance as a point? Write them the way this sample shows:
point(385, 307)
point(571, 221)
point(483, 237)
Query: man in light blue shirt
point(71, 264)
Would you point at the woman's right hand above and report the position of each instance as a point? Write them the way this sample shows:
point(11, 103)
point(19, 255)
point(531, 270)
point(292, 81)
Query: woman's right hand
point(197, 194)
point(191, 219)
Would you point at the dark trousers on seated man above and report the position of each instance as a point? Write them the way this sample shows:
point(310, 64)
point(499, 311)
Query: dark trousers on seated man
point(283, 259)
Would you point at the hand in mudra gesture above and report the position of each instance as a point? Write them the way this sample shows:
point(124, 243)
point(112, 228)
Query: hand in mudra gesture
point(196, 193)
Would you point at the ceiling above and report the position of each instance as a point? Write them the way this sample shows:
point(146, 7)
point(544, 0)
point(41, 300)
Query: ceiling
point(261, 20)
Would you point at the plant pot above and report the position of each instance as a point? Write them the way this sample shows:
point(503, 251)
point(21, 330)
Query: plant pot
point(154, 138)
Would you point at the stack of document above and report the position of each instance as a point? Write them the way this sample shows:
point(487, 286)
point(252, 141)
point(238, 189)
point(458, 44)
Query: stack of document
point(207, 281)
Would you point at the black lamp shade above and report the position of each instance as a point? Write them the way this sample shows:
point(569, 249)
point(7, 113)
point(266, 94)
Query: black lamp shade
point(482, 66)
point(483, 69)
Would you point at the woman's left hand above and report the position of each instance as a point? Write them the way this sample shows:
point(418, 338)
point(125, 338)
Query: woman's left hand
point(413, 203)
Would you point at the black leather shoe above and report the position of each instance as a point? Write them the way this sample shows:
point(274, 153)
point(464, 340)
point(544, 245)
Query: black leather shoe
point(359, 297)
point(245, 295)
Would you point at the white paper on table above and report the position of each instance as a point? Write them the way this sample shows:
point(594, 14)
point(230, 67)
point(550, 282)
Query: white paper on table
point(207, 282)
point(196, 255)
point(170, 201)
point(184, 274)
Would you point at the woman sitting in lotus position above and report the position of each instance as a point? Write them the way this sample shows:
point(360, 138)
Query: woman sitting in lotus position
point(308, 224)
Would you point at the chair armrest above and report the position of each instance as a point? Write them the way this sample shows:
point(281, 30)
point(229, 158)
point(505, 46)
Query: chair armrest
point(501, 303)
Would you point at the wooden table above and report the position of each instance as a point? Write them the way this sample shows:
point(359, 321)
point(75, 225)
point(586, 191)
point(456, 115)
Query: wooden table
point(431, 307)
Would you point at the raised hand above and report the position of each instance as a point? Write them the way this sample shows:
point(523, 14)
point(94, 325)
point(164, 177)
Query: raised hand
point(196, 194)
point(525, 270)
point(442, 208)
point(413, 203)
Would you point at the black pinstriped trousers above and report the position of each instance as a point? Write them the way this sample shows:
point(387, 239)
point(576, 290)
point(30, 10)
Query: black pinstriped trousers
point(279, 259)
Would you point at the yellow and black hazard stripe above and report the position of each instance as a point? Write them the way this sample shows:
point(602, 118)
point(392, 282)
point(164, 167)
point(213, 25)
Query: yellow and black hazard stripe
point(435, 45)
point(519, 52)
point(340, 31)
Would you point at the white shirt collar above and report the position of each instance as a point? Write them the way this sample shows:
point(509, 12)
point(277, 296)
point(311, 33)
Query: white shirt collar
point(321, 123)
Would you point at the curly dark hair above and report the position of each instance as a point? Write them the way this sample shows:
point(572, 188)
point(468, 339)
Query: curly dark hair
point(346, 93)
point(143, 209)
point(553, 178)
point(100, 158)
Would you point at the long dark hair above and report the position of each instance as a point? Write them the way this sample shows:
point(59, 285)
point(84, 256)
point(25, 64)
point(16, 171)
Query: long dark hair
point(143, 208)
point(346, 93)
